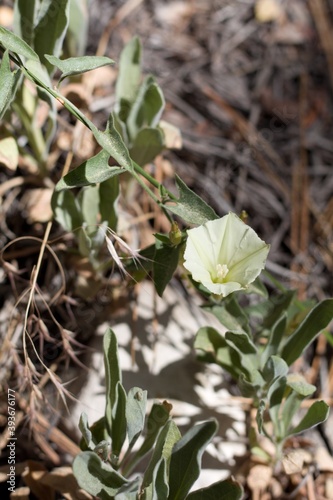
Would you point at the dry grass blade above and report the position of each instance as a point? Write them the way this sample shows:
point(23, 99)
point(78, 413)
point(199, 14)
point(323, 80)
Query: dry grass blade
point(319, 10)
point(253, 138)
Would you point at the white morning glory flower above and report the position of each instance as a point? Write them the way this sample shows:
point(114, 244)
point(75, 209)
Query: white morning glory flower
point(224, 255)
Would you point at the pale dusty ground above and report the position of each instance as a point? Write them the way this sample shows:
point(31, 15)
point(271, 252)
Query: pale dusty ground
point(167, 368)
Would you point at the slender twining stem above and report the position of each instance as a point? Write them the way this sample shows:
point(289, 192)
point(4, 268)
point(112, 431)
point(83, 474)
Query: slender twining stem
point(80, 116)
point(150, 192)
point(152, 180)
point(35, 136)
point(136, 170)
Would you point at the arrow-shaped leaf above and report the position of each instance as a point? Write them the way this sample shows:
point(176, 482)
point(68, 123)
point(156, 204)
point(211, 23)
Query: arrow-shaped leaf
point(78, 65)
point(92, 171)
point(190, 207)
point(316, 414)
point(15, 44)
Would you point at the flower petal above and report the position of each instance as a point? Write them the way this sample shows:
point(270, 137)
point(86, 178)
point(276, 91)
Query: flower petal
point(222, 289)
point(248, 269)
point(200, 248)
point(227, 245)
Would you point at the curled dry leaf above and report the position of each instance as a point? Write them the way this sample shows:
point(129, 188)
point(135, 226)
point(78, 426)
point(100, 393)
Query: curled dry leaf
point(259, 477)
point(293, 462)
point(172, 135)
point(268, 10)
point(100, 77)
point(83, 142)
point(175, 14)
point(38, 204)
point(76, 93)
point(9, 154)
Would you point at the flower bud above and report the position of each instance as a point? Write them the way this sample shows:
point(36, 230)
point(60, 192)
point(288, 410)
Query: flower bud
point(175, 235)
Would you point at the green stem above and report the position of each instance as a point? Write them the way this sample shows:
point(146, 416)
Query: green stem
point(152, 180)
point(80, 116)
point(150, 192)
point(35, 136)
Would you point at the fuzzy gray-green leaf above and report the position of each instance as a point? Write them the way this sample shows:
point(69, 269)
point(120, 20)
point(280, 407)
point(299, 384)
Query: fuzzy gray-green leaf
point(6, 84)
point(147, 144)
point(275, 367)
point(50, 30)
point(85, 431)
point(78, 65)
point(274, 338)
point(166, 440)
point(16, 45)
point(24, 20)
point(96, 476)
point(129, 76)
point(147, 108)
point(161, 480)
point(66, 210)
point(228, 489)
point(298, 383)
point(212, 348)
point(317, 319)
point(88, 199)
point(92, 171)
point(316, 414)
point(108, 198)
point(275, 396)
point(77, 32)
point(190, 207)
point(158, 417)
point(135, 413)
point(186, 456)
point(165, 264)
point(112, 374)
point(244, 345)
point(130, 490)
point(119, 424)
point(230, 314)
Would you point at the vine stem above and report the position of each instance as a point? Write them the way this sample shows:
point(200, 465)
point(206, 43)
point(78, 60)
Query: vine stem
point(137, 170)
point(150, 192)
point(152, 180)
